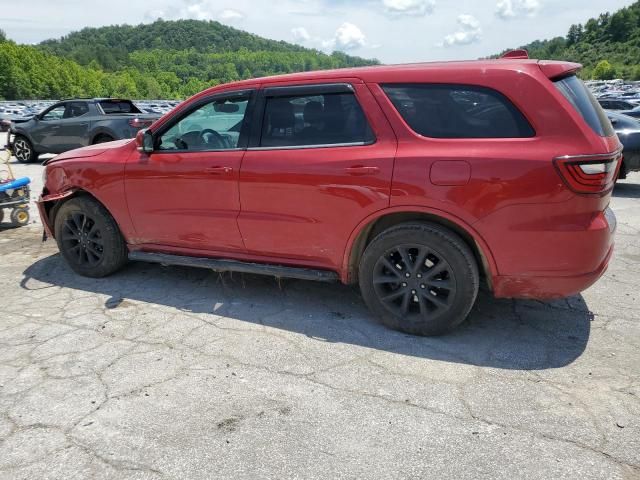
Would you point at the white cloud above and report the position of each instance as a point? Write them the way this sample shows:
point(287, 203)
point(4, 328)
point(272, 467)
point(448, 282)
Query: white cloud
point(469, 32)
point(228, 15)
point(197, 10)
point(506, 9)
point(300, 34)
point(347, 37)
point(408, 7)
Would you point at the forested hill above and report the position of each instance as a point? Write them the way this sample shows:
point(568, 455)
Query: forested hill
point(109, 46)
point(164, 59)
point(607, 46)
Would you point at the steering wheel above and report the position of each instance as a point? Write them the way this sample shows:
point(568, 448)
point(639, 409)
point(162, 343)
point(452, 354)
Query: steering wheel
point(218, 138)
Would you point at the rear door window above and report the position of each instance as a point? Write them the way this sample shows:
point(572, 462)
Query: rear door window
point(318, 119)
point(585, 104)
point(458, 111)
point(76, 109)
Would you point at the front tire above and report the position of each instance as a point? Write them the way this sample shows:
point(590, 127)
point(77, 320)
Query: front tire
point(419, 278)
point(20, 216)
point(23, 150)
point(89, 238)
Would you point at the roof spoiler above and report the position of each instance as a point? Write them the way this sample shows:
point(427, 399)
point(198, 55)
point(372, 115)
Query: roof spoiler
point(557, 70)
point(519, 54)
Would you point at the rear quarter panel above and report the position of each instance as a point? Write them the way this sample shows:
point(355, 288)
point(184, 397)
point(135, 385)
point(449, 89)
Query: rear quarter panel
point(513, 198)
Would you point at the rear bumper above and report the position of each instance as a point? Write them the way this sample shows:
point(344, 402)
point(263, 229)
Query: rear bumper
point(547, 287)
point(556, 259)
point(632, 160)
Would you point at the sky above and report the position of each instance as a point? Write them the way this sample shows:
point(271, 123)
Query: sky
point(393, 31)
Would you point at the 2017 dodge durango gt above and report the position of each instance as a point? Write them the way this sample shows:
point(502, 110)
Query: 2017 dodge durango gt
point(417, 182)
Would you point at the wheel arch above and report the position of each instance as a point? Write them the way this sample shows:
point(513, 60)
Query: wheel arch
point(51, 206)
point(102, 131)
point(375, 224)
point(25, 134)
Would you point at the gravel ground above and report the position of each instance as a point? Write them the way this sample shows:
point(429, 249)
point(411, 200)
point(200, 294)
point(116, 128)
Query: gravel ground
point(182, 373)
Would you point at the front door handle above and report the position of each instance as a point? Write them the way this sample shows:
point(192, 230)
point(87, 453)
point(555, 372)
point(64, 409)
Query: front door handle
point(218, 170)
point(362, 170)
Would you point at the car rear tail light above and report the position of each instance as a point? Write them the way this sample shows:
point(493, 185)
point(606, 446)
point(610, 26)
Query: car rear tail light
point(140, 123)
point(589, 174)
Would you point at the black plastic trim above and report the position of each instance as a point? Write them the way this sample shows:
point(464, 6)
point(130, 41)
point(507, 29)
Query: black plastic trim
point(223, 265)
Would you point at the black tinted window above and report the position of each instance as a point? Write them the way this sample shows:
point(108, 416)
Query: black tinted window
point(75, 109)
point(586, 104)
point(458, 111)
point(118, 106)
point(305, 120)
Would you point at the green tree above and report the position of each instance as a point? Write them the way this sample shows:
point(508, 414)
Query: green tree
point(604, 71)
point(574, 35)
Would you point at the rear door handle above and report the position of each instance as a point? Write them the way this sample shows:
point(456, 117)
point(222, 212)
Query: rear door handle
point(362, 170)
point(218, 170)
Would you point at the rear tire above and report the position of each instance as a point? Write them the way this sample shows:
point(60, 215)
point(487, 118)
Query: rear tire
point(102, 139)
point(89, 238)
point(419, 278)
point(23, 150)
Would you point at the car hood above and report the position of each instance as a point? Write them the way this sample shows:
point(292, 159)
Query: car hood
point(90, 151)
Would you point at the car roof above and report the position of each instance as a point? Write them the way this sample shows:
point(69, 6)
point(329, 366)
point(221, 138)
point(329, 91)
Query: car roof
point(386, 73)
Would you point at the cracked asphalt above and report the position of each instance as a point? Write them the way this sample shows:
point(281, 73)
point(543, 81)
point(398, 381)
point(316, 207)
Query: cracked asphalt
point(167, 372)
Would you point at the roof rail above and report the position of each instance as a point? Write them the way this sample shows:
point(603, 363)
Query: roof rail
point(520, 54)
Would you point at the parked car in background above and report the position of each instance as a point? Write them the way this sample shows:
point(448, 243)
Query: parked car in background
point(634, 112)
point(414, 181)
point(628, 131)
point(616, 104)
point(76, 123)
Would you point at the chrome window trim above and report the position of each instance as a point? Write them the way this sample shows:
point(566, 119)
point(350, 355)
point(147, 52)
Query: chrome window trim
point(307, 147)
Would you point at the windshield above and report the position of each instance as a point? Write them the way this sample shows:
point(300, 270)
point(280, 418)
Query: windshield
point(585, 103)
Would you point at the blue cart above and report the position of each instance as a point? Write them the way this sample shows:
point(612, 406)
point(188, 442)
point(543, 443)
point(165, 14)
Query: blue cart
point(14, 196)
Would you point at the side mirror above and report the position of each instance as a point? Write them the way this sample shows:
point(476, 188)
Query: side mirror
point(144, 141)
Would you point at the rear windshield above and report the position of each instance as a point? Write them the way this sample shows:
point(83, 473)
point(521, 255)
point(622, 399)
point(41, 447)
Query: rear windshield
point(585, 103)
point(118, 106)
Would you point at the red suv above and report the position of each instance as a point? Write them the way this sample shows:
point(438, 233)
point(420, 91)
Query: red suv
point(417, 181)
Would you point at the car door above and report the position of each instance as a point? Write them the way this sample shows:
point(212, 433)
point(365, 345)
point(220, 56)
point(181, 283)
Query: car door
point(45, 131)
point(73, 127)
point(319, 163)
point(185, 193)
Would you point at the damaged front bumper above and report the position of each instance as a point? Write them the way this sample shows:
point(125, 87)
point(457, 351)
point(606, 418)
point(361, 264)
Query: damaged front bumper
point(45, 204)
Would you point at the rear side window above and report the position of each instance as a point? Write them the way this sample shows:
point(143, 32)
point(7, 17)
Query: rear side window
point(314, 120)
point(118, 106)
point(586, 104)
point(458, 111)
